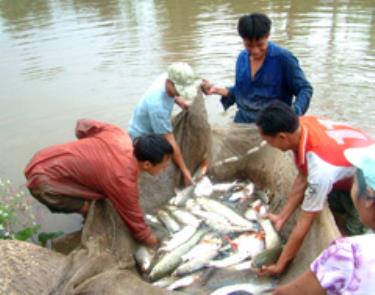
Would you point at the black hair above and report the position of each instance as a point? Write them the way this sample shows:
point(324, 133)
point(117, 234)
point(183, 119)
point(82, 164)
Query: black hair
point(254, 26)
point(152, 148)
point(277, 117)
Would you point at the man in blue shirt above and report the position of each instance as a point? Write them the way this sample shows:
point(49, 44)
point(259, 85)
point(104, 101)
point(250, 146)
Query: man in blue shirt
point(153, 113)
point(264, 72)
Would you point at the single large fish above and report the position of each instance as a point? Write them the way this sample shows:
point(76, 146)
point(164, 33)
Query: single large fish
point(158, 229)
point(209, 249)
point(208, 242)
point(219, 223)
point(233, 217)
point(197, 263)
point(168, 221)
point(248, 245)
point(201, 171)
point(182, 196)
point(251, 288)
point(143, 257)
point(251, 214)
point(170, 261)
point(185, 281)
point(203, 188)
point(165, 282)
point(179, 238)
point(267, 257)
point(272, 237)
point(184, 216)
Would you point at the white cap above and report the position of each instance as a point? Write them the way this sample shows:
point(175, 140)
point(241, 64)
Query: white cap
point(184, 79)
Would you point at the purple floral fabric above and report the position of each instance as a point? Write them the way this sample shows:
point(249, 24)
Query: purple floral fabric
point(347, 266)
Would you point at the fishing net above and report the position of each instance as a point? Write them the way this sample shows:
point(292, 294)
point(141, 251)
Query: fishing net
point(102, 262)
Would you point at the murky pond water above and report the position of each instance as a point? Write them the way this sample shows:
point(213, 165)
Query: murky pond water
point(66, 59)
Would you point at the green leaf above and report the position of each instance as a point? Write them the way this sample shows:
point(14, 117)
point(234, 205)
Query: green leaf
point(26, 233)
point(43, 237)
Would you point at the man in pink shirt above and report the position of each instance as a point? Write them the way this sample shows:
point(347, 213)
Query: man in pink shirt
point(101, 164)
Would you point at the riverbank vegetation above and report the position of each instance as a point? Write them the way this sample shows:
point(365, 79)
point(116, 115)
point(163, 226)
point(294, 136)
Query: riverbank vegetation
point(17, 219)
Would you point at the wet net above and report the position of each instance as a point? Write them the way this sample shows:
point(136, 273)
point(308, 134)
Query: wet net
point(102, 259)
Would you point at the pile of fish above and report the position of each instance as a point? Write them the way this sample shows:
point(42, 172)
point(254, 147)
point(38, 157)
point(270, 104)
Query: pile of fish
point(207, 227)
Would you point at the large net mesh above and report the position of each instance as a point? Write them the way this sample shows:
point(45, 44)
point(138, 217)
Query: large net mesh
point(102, 260)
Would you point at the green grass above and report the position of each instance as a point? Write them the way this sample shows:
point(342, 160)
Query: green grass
point(17, 220)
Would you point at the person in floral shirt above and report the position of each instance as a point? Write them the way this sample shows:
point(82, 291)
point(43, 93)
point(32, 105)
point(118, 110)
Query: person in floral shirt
point(347, 266)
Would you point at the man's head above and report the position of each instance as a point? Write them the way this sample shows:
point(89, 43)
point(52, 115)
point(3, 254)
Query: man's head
point(255, 30)
point(363, 189)
point(152, 153)
point(183, 79)
point(278, 125)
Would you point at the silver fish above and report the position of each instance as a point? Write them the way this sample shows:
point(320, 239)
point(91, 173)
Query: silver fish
point(179, 238)
point(272, 237)
point(144, 257)
point(185, 281)
point(237, 196)
point(251, 214)
point(182, 196)
point(248, 245)
point(170, 261)
point(241, 266)
point(203, 188)
point(224, 187)
point(230, 260)
point(233, 217)
point(251, 288)
point(249, 189)
point(208, 242)
point(151, 219)
point(201, 171)
point(168, 221)
point(267, 257)
point(197, 263)
point(200, 255)
point(165, 282)
point(219, 223)
point(184, 216)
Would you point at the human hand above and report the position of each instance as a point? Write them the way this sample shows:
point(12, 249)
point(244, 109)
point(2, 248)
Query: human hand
point(182, 103)
point(151, 240)
point(207, 87)
point(277, 220)
point(270, 270)
point(188, 180)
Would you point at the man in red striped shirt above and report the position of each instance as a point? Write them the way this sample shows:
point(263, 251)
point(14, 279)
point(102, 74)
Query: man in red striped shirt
point(101, 164)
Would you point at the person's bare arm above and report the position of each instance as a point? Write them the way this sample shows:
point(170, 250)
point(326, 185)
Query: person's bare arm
point(295, 198)
point(209, 88)
point(306, 284)
point(178, 159)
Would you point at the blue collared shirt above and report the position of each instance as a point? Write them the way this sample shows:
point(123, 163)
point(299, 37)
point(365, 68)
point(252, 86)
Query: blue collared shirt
point(279, 78)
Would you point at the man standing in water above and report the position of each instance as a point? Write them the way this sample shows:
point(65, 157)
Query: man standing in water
point(264, 72)
point(323, 172)
point(153, 113)
point(102, 164)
